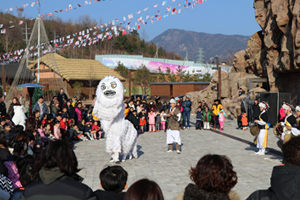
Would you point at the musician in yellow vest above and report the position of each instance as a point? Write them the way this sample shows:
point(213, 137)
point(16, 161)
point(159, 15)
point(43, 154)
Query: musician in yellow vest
point(261, 139)
point(290, 122)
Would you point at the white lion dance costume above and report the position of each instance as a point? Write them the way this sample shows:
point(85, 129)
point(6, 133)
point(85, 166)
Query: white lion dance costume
point(121, 136)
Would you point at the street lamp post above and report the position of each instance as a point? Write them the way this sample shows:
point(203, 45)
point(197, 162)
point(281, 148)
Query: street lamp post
point(219, 77)
point(219, 95)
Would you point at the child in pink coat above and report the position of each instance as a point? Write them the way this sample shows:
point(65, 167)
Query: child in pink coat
point(222, 119)
point(151, 117)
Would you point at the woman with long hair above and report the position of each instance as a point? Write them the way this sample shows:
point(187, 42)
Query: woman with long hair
point(57, 169)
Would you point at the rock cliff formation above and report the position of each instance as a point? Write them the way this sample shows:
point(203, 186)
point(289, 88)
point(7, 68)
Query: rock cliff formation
point(272, 53)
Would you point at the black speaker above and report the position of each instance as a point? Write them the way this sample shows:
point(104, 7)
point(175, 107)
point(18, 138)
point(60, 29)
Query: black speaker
point(284, 97)
point(273, 100)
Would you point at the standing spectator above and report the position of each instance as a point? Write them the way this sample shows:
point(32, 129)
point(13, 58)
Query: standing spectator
point(19, 117)
point(159, 105)
point(134, 119)
point(199, 116)
point(157, 121)
point(201, 105)
point(142, 124)
point(173, 134)
point(62, 98)
point(180, 108)
point(256, 110)
point(144, 114)
point(186, 112)
point(54, 98)
point(10, 111)
point(71, 111)
point(139, 108)
point(151, 117)
point(206, 118)
point(217, 106)
point(244, 120)
point(165, 106)
point(41, 106)
point(151, 106)
point(2, 107)
point(282, 114)
point(78, 111)
point(74, 101)
point(162, 120)
point(126, 109)
point(131, 104)
point(222, 119)
point(57, 169)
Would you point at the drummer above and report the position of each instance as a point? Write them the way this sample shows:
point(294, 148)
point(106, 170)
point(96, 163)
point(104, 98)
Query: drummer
point(296, 128)
point(289, 121)
point(261, 139)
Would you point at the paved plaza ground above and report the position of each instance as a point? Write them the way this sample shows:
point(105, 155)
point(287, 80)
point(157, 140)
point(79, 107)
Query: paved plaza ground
point(170, 170)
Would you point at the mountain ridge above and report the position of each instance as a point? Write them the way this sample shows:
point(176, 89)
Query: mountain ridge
point(190, 41)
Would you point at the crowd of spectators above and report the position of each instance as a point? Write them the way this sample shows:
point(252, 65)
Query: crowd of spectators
point(37, 160)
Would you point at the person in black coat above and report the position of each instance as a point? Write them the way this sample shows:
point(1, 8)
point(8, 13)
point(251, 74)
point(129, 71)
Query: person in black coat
point(2, 107)
point(284, 179)
point(134, 119)
point(62, 98)
point(255, 110)
point(71, 111)
point(57, 170)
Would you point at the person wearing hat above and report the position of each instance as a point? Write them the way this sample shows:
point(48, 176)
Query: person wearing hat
point(296, 130)
point(288, 124)
point(173, 134)
point(74, 101)
point(261, 139)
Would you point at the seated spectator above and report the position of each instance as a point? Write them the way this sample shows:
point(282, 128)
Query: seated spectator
point(4, 152)
point(213, 178)
point(27, 175)
point(144, 189)
point(57, 168)
point(56, 131)
point(284, 180)
point(113, 180)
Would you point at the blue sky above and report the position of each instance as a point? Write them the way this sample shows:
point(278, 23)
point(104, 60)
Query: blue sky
point(212, 16)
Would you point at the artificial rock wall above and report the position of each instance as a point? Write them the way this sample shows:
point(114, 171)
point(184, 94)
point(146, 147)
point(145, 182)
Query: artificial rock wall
point(272, 53)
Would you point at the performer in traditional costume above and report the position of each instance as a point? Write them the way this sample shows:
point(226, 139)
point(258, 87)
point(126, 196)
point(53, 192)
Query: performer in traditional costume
point(109, 108)
point(261, 139)
point(173, 134)
point(289, 125)
point(295, 129)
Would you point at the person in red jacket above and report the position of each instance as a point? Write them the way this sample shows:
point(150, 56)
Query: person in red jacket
point(142, 124)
